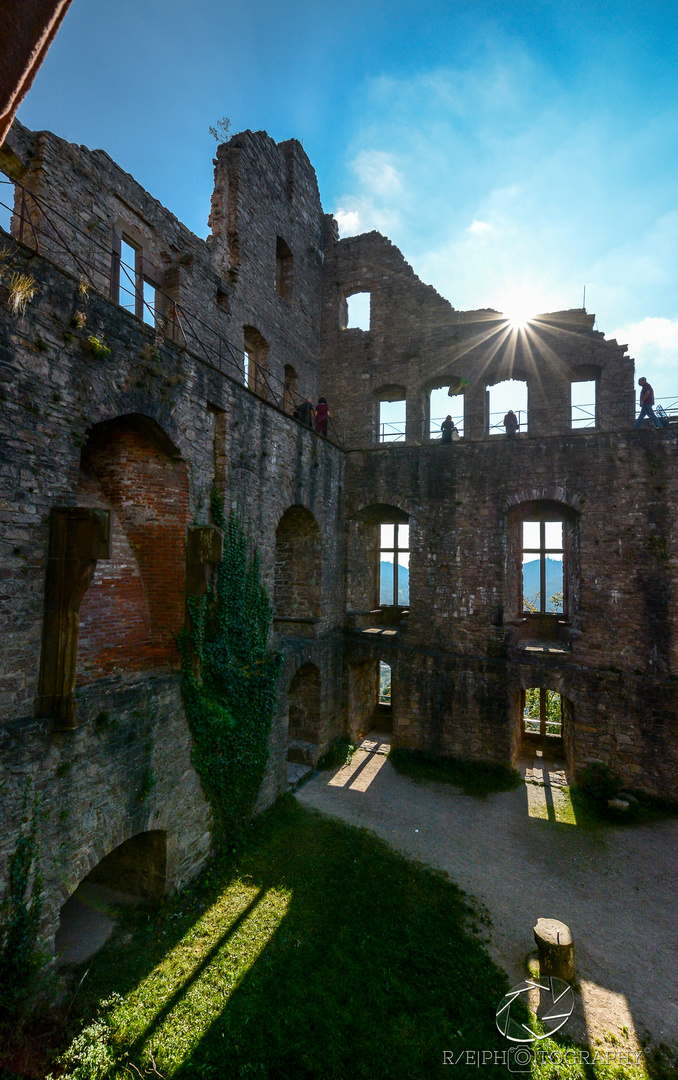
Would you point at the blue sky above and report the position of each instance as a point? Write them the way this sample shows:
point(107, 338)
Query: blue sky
point(514, 152)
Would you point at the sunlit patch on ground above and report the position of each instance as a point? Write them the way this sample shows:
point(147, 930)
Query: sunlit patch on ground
point(174, 1007)
point(548, 794)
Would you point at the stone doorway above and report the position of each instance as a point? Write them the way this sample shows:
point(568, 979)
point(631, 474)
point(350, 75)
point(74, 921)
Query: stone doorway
point(542, 713)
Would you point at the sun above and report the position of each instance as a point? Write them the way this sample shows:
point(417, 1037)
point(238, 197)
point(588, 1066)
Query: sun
point(518, 317)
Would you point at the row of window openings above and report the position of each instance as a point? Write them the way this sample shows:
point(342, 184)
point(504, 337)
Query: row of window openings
point(543, 580)
point(542, 709)
point(510, 394)
point(135, 291)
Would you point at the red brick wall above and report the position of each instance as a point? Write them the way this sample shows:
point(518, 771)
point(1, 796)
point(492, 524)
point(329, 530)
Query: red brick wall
point(133, 610)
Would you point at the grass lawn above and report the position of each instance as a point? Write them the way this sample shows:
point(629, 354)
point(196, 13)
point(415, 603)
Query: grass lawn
point(318, 952)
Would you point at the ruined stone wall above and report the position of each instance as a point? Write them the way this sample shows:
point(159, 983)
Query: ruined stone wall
point(209, 291)
point(182, 428)
point(461, 656)
point(417, 341)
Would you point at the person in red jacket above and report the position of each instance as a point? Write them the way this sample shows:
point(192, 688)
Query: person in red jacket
point(322, 413)
point(646, 403)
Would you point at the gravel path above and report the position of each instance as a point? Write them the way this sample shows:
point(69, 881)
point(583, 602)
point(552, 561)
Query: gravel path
point(615, 887)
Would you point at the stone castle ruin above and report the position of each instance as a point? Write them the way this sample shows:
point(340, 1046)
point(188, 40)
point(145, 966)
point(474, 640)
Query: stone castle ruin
point(144, 367)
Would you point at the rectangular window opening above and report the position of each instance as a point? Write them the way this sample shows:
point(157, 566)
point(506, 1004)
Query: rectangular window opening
point(358, 311)
point(392, 421)
point(394, 565)
point(384, 683)
point(128, 276)
point(583, 404)
point(543, 713)
point(149, 303)
point(543, 568)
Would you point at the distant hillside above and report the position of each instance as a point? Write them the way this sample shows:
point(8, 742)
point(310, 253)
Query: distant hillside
point(554, 572)
point(403, 584)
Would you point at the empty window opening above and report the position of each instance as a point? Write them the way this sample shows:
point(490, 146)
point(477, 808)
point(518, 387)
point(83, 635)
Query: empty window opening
point(394, 565)
point(7, 196)
point(283, 269)
point(149, 303)
point(392, 416)
point(583, 404)
point(384, 683)
point(130, 258)
point(255, 361)
point(510, 395)
point(542, 713)
point(543, 578)
point(358, 312)
point(441, 405)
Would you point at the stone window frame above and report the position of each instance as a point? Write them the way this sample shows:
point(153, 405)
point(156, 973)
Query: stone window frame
point(395, 549)
point(543, 625)
point(542, 551)
point(144, 271)
point(392, 392)
point(449, 381)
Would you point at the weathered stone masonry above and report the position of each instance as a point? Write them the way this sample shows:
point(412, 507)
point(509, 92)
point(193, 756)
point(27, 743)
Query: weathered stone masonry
point(108, 460)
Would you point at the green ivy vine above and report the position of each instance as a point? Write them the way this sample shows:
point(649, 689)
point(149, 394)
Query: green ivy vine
point(230, 694)
point(20, 958)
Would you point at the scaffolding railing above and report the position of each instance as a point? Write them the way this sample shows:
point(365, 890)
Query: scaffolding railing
point(42, 228)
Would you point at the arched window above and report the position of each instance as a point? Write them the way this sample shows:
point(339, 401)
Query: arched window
point(502, 396)
point(298, 566)
point(445, 400)
point(543, 585)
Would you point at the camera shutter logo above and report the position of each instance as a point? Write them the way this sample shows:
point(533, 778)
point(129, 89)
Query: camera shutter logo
point(555, 1009)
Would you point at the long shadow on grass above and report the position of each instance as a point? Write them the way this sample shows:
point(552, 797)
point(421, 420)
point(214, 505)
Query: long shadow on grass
point(372, 972)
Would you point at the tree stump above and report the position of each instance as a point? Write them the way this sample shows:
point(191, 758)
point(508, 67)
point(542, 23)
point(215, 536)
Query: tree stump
point(556, 949)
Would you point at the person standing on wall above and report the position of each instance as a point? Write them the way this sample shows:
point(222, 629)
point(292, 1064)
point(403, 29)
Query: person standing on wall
point(306, 412)
point(511, 422)
point(646, 403)
point(322, 413)
point(448, 429)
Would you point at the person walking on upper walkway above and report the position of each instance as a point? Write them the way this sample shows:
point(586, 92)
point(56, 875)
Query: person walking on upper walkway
point(646, 403)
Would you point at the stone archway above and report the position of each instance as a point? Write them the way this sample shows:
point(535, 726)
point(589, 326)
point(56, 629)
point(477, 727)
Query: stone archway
point(133, 871)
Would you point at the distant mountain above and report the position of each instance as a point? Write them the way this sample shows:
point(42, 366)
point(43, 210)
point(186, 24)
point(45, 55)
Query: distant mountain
point(386, 592)
point(554, 578)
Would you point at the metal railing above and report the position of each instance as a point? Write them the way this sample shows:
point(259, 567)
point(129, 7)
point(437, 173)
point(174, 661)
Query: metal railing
point(436, 421)
point(394, 432)
point(34, 221)
point(496, 421)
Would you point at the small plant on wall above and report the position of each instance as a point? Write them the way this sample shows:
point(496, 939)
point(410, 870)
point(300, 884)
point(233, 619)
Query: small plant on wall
point(22, 288)
point(230, 704)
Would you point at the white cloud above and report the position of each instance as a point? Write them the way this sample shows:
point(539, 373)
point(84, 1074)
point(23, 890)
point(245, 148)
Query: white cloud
point(378, 174)
point(348, 222)
point(653, 342)
point(479, 227)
